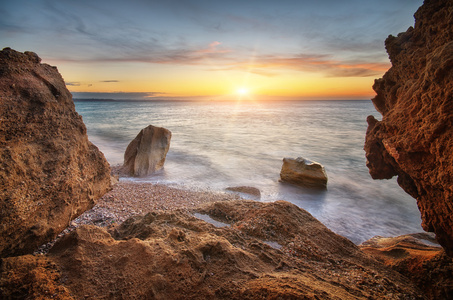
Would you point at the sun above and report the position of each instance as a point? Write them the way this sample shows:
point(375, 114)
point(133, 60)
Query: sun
point(242, 91)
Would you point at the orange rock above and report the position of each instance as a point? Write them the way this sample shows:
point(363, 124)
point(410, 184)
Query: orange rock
point(414, 140)
point(268, 251)
point(419, 258)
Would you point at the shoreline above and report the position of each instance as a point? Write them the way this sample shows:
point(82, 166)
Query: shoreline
point(129, 198)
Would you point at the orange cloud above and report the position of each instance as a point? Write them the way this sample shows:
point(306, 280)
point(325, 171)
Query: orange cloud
point(212, 48)
point(273, 65)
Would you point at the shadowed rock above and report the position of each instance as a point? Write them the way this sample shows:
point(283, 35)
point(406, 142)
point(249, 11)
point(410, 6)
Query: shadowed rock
point(147, 152)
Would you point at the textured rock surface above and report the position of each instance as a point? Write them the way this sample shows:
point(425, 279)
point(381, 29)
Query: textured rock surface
point(414, 140)
point(146, 153)
point(418, 257)
point(268, 251)
point(303, 172)
point(49, 172)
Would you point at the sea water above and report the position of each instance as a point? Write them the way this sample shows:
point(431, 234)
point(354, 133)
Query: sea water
point(216, 145)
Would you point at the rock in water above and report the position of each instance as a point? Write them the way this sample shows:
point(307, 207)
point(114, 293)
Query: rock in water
point(304, 173)
point(146, 153)
point(414, 140)
point(49, 172)
point(249, 191)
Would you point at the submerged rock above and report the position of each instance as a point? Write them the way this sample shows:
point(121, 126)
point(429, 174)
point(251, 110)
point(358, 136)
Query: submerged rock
point(302, 172)
point(147, 152)
point(414, 140)
point(268, 251)
point(250, 191)
point(49, 172)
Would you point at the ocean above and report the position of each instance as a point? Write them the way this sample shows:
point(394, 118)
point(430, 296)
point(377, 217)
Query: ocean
point(216, 145)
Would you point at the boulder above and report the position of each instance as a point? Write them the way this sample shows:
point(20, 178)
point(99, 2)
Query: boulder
point(414, 140)
point(302, 172)
point(49, 172)
point(147, 152)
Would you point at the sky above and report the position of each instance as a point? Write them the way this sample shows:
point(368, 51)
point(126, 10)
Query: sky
point(214, 50)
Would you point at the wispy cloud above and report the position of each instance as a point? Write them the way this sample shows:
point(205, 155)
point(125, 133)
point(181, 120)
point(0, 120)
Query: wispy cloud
point(118, 95)
point(335, 38)
point(213, 48)
point(272, 65)
point(73, 83)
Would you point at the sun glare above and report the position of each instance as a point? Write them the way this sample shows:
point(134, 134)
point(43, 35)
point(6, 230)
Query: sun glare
point(242, 91)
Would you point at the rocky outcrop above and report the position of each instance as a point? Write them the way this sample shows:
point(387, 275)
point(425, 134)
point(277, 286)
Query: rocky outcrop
point(303, 172)
point(267, 251)
point(147, 152)
point(419, 258)
point(414, 140)
point(49, 172)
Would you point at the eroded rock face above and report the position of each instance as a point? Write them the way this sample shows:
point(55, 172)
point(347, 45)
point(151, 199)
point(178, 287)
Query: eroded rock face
point(419, 258)
point(302, 172)
point(147, 152)
point(268, 251)
point(49, 172)
point(414, 140)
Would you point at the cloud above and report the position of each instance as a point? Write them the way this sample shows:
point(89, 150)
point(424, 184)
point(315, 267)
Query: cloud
point(212, 48)
point(272, 65)
point(73, 83)
point(108, 81)
point(117, 95)
point(214, 35)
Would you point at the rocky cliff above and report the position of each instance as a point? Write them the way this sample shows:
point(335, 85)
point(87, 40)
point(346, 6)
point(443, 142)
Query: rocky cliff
point(414, 140)
point(49, 172)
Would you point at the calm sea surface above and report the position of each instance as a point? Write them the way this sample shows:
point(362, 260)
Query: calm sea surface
point(218, 145)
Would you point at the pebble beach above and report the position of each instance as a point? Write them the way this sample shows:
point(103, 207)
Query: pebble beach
point(129, 198)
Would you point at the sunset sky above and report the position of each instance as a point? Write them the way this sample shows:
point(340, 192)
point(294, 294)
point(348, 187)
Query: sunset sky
point(143, 49)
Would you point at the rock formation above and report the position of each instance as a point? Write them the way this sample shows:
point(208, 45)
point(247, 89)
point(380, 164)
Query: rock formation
point(268, 251)
point(419, 258)
point(49, 172)
point(414, 140)
point(147, 152)
point(304, 173)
